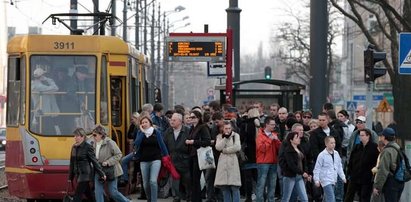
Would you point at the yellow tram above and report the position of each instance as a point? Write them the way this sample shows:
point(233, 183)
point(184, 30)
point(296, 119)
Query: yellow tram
point(57, 83)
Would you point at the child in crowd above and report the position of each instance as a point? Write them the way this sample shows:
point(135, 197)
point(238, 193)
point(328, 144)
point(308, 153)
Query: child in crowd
point(326, 169)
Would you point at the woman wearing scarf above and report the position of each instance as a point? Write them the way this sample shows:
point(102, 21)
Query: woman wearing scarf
point(150, 148)
point(81, 159)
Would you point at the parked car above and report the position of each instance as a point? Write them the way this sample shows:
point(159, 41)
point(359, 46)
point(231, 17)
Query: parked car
point(2, 139)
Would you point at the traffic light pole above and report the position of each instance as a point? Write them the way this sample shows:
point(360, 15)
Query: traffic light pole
point(368, 103)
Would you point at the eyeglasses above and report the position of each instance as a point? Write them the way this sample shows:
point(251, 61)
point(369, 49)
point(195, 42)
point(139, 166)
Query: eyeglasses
point(359, 122)
point(307, 117)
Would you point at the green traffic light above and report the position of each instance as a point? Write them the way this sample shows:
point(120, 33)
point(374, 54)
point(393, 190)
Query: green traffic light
point(267, 77)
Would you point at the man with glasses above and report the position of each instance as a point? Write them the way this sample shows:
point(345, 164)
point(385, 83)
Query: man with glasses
point(355, 138)
point(307, 116)
point(268, 146)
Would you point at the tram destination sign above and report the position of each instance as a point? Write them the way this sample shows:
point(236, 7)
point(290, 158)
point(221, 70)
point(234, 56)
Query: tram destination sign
point(195, 49)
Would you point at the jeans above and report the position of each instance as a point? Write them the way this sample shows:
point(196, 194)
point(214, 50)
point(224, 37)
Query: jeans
point(124, 165)
point(266, 172)
point(291, 184)
point(280, 179)
point(149, 171)
point(339, 190)
point(112, 189)
point(329, 195)
point(231, 193)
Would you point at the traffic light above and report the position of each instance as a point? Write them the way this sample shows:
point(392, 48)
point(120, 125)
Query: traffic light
point(157, 95)
point(370, 58)
point(267, 72)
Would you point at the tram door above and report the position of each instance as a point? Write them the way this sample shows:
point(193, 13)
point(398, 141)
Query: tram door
point(118, 110)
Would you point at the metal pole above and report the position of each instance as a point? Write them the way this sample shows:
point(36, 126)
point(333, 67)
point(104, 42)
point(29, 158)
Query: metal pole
point(96, 18)
point(233, 22)
point(145, 29)
point(368, 103)
point(165, 64)
point(229, 64)
point(158, 77)
point(318, 54)
point(73, 20)
point(125, 21)
point(113, 17)
point(137, 34)
point(153, 65)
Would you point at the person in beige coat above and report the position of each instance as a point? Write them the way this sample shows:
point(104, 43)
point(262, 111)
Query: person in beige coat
point(228, 177)
point(108, 154)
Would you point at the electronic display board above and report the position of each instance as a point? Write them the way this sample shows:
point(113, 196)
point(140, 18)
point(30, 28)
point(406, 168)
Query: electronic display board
point(195, 49)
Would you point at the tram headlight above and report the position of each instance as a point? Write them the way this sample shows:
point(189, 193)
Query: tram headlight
point(3, 142)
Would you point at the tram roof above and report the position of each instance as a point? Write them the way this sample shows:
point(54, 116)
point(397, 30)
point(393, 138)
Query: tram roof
point(81, 44)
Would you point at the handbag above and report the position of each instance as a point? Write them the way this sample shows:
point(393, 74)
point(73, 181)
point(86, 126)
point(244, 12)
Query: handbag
point(242, 158)
point(205, 158)
point(109, 172)
point(68, 197)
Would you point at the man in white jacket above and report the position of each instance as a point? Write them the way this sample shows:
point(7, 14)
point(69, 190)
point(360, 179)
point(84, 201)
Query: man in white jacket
point(326, 169)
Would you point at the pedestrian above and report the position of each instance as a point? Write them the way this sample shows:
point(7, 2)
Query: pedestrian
point(174, 138)
point(131, 136)
point(81, 158)
point(108, 155)
point(384, 181)
point(228, 177)
point(363, 158)
point(294, 168)
point(149, 148)
point(268, 146)
point(199, 137)
point(327, 168)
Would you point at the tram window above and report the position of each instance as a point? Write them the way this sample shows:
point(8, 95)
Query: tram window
point(13, 94)
point(116, 90)
point(62, 95)
point(23, 90)
point(103, 92)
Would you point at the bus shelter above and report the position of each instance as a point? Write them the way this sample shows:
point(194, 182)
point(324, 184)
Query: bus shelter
point(267, 91)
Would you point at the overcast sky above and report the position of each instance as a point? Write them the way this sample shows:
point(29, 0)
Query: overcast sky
point(258, 18)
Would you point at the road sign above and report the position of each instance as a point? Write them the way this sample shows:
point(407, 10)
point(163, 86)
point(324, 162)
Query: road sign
point(363, 97)
point(216, 69)
point(384, 106)
point(405, 54)
point(351, 105)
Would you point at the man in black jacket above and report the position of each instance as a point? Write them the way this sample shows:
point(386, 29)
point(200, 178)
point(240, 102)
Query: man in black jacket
point(174, 138)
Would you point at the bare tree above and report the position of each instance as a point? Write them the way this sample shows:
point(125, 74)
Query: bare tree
point(294, 39)
point(392, 18)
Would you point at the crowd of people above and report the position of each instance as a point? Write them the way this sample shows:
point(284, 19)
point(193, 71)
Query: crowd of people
point(260, 157)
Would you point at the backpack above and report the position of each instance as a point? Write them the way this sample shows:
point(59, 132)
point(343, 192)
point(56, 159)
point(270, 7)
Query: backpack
point(403, 171)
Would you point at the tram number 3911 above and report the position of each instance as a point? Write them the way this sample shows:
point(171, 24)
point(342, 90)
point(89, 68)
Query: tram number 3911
point(63, 45)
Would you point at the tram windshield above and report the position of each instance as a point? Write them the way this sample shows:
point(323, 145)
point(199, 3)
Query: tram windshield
point(63, 93)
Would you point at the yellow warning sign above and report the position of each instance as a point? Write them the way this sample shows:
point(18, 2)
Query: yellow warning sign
point(384, 106)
